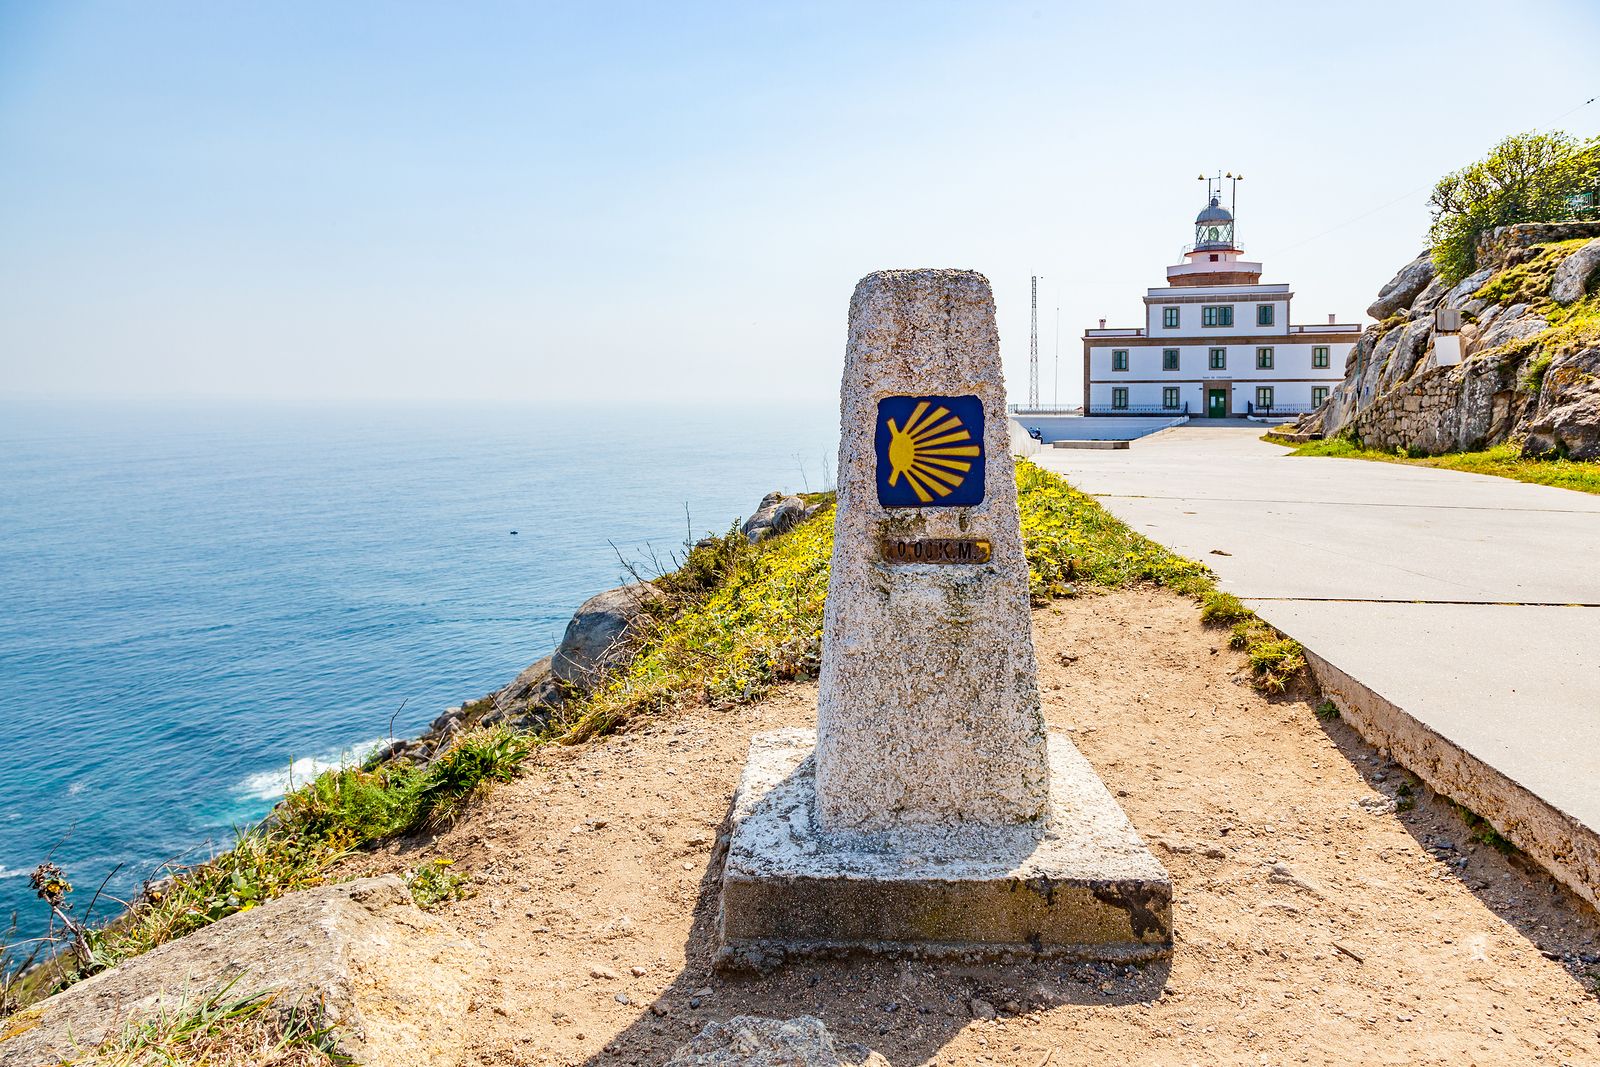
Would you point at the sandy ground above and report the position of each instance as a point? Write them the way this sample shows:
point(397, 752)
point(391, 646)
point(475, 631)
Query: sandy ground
point(1314, 924)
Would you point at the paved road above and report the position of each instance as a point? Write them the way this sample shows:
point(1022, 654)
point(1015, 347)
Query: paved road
point(1471, 602)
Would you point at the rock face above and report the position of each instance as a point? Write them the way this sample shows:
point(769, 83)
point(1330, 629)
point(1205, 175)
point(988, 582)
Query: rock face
point(597, 637)
point(751, 1041)
point(1572, 278)
point(393, 981)
point(1396, 395)
point(1567, 417)
point(1403, 288)
point(778, 514)
point(946, 649)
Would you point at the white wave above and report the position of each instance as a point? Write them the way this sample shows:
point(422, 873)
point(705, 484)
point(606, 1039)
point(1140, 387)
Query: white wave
point(7, 872)
point(270, 785)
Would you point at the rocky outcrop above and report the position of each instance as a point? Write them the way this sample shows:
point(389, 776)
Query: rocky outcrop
point(751, 1041)
point(1396, 395)
point(392, 981)
point(777, 514)
point(1403, 288)
point(598, 637)
point(1572, 278)
point(1567, 416)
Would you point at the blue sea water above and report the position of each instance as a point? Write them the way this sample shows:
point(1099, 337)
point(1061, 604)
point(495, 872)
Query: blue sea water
point(197, 604)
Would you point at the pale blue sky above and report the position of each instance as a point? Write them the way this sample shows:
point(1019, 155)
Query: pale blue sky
point(529, 203)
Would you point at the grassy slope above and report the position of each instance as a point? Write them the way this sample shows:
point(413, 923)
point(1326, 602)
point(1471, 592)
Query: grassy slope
point(736, 620)
point(1503, 461)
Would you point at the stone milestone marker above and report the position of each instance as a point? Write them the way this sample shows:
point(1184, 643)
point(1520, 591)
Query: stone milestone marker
point(930, 812)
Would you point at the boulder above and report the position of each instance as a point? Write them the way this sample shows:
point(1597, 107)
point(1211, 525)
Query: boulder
point(1567, 418)
point(1571, 279)
point(597, 638)
point(777, 514)
point(1403, 288)
point(393, 982)
point(751, 1041)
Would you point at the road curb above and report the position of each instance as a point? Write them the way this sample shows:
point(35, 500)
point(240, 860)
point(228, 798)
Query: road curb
point(1550, 837)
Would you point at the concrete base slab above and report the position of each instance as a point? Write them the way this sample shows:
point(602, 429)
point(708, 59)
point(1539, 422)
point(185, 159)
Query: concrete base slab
point(1081, 884)
point(1089, 444)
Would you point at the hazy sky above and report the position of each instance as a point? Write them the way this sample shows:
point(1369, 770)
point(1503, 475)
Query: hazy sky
point(530, 203)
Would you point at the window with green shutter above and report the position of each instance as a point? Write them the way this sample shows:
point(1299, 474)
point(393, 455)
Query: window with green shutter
point(1169, 397)
point(1169, 318)
point(1319, 357)
point(1216, 315)
point(1169, 359)
point(1119, 397)
point(1263, 314)
point(1219, 359)
point(1263, 359)
point(1319, 395)
point(1119, 359)
point(1264, 397)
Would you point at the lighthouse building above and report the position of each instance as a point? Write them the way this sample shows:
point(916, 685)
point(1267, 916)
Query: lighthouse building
point(1215, 342)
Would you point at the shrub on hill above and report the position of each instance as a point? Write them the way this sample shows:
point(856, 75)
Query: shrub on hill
point(1528, 177)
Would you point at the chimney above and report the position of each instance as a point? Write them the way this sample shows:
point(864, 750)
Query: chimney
point(1102, 324)
point(1332, 319)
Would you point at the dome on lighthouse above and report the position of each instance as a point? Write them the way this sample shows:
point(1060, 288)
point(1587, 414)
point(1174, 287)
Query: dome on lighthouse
point(1213, 214)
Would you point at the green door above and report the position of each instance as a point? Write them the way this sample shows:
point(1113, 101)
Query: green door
point(1217, 403)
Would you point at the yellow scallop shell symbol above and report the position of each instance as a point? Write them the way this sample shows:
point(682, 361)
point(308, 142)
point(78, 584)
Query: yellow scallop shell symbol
point(927, 452)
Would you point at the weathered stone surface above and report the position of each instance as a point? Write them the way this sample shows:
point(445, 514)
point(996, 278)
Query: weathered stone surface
point(929, 709)
point(778, 514)
point(1462, 292)
point(1572, 276)
point(1403, 288)
point(751, 1041)
point(536, 684)
point(1506, 245)
point(597, 637)
point(1081, 884)
point(1567, 418)
point(1515, 323)
point(393, 981)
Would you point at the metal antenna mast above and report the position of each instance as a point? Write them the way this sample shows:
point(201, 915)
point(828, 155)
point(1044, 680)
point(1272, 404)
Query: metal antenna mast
point(1033, 347)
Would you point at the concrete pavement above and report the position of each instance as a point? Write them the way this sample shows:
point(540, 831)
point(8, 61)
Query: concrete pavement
point(1454, 617)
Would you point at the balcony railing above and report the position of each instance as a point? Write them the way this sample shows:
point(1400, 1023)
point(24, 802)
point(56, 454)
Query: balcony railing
point(1138, 409)
point(1044, 409)
point(1277, 410)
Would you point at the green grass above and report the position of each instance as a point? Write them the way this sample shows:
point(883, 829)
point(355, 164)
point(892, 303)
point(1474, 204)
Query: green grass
point(1502, 461)
point(217, 1030)
point(1223, 609)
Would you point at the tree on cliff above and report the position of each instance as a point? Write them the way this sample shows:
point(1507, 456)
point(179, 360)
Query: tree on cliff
point(1528, 177)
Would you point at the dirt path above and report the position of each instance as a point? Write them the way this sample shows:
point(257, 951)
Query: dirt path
point(1314, 923)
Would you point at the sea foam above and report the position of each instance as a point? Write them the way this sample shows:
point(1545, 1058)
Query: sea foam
point(270, 785)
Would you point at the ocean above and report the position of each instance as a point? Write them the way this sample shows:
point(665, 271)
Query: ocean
point(201, 605)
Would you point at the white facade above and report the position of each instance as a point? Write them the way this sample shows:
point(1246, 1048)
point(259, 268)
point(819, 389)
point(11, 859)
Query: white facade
point(1215, 342)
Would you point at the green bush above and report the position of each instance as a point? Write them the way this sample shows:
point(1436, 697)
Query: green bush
point(1528, 177)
